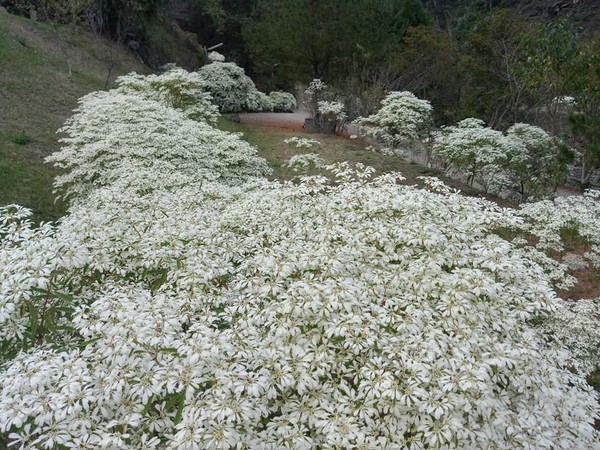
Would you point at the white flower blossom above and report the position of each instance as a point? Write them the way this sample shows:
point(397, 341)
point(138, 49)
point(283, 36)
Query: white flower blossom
point(226, 311)
point(302, 142)
point(402, 118)
point(302, 162)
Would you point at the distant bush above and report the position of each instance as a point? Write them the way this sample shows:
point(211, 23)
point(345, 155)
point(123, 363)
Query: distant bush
point(283, 101)
point(228, 85)
point(257, 101)
point(402, 118)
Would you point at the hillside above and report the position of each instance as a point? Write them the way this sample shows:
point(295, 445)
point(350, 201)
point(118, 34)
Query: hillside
point(48, 71)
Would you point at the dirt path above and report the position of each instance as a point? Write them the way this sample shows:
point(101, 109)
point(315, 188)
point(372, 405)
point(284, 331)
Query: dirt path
point(290, 121)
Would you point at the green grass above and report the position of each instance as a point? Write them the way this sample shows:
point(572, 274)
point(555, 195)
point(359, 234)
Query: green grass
point(37, 95)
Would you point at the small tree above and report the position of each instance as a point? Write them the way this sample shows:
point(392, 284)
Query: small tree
point(403, 118)
point(526, 161)
point(543, 166)
point(476, 152)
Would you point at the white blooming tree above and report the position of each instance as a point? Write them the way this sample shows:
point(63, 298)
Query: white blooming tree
point(350, 312)
point(544, 166)
point(233, 91)
point(314, 92)
point(228, 84)
point(403, 118)
point(526, 161)
point(477, 153)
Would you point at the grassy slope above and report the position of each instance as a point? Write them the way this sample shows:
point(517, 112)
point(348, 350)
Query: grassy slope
point(37, 95)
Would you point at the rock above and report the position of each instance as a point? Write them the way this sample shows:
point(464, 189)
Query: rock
point(133, 44)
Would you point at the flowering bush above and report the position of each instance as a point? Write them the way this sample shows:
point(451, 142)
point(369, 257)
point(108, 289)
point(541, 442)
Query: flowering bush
point(179, 89)
point(133, 137)
point(332, 111)
point(257, 101)
point(564, 221)
point(476, 152)
point(577, 326)
point(302, 142)
point(315, 92)
point(526, 160)
point(302, 162)
point(216, 57)
point(283, 101)
point(543, 165)
point(353, 313)
point(239, 313)
point(402, 118)
point(228, 85)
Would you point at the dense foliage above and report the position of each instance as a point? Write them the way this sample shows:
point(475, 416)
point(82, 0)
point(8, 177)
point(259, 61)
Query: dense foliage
point(525, 162)
point(402, 118)
point(320, 39)
point(233, 91)
point(283, 101)
point(152, 125)
point(186, 302)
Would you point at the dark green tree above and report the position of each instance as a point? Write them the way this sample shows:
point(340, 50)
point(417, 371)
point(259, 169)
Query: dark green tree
point(431, 66)
point(321, 38)
point(494, 50)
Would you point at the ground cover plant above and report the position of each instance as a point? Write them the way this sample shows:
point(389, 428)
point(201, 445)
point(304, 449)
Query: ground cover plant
point(187, 302)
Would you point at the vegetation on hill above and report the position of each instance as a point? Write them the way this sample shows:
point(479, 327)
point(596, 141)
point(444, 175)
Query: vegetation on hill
point(44, 72)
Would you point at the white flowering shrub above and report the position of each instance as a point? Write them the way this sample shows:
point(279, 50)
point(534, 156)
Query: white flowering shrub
point(577, 326)
point(565, 221)
point(301, 163)
point(478, 153)
point(561, 226)
point(332, 111)
point(283, 101)
point(314, 92)
point(257, 101)
point(299, 142)
point(350, 312)
point(526, 162)
point(133, 140)
point(176, 87)
point(228, 84)
point(574, 261)
point(36, 282)
point(402, 118)
point(310, 315)
point(216, 57)
point(542, 167)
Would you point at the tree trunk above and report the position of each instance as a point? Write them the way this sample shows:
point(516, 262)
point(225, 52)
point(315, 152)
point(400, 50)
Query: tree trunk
point(440, 14)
